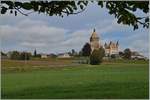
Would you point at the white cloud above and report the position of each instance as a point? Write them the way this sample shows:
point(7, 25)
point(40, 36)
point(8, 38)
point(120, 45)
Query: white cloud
point(139, 42)
point(32, 34)
point(35, 45)
point(49, 35)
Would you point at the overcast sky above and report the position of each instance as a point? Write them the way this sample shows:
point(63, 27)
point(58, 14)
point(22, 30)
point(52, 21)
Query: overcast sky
point(56, 35)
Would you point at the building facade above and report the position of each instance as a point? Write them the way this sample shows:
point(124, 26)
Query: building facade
point(110, 48)
point(94, 41)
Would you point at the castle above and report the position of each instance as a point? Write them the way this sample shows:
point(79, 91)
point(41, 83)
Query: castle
point(110, 48)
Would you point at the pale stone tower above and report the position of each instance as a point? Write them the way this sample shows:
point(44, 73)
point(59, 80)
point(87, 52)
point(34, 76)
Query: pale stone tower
point(94, 41)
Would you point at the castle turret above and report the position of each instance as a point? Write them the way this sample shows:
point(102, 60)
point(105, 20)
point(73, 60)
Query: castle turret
point(105, 45)
point(94, 41)
point(117, 44)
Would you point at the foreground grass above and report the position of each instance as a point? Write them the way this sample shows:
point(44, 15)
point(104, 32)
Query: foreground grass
point(85, 81)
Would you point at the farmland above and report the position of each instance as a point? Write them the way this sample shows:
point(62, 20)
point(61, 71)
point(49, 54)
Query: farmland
point(55, 78)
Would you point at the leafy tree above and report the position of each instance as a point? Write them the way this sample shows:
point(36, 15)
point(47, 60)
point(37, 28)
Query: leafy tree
point(15, 55)
point(122, 10)
point(113, 56)
point(97, 56)
point(127, 53)
point(73, 52)
point(38, 55)
point(86, 50)
point(121, 54)
point(53, 55)
point(25, 56)
point(78, 54)
point(3, 54)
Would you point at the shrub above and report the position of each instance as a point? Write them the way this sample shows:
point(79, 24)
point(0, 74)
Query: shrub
point(97, 56)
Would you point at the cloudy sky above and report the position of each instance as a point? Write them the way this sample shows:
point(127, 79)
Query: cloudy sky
point(56, 35)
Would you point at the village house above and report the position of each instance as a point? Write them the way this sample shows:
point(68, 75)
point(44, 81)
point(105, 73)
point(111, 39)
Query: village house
point(64, 55)
point(44, 55)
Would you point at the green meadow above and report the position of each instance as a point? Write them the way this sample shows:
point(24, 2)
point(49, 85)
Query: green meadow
point(108, 80)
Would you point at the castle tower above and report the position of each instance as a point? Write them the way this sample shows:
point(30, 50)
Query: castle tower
point(111, 48)
point(94, 41)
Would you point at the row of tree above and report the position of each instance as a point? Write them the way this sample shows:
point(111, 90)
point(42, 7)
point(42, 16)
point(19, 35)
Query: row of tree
point(15, 55)
point(94, 57)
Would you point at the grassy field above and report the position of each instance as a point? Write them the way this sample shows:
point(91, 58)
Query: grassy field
point(108, 80)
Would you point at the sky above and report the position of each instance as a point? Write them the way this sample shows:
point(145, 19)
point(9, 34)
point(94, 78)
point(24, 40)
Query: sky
point(57, 35)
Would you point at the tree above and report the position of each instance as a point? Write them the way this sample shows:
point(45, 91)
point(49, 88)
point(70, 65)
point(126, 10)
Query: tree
point(3, 54)
point(15, 55)
point(127, 53)
point(121, 54)
point(86, 50)
point(80, 53)
point(122, 10)
point(73, 52)
point(25, 56)
point(35, 54)
point(113, 56)
point(38, 55)
point(97, 56)
point(53, 55)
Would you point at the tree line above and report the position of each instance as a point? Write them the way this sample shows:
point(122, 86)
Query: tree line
point(15, 55)
point(92, 57)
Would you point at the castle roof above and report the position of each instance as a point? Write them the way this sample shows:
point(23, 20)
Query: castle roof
point(94, 35)
point(111, 44)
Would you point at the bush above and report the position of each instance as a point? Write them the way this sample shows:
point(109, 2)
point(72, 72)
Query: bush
point(97, 56)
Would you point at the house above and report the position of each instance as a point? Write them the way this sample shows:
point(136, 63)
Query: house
point(44, 56)
point(137, 56)
point(64, 55)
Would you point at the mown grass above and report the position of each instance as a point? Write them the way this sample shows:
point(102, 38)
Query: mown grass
point(108, 80)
